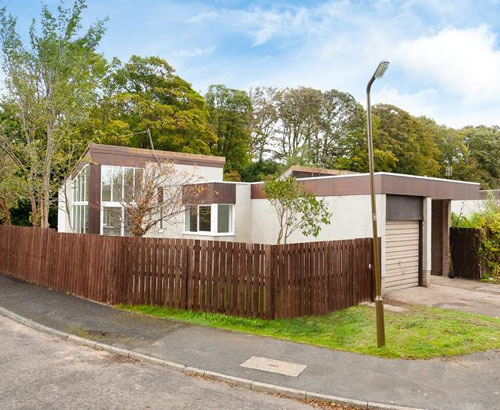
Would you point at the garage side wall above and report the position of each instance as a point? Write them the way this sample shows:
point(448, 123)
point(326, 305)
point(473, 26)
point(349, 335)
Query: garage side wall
point(351, 219)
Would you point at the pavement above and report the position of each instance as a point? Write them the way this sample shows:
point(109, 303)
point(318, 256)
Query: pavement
point(458, 294)
point(38, 371)
point(469, 382)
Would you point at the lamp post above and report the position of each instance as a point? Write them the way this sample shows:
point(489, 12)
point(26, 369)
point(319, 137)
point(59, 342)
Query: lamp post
point(379, 303)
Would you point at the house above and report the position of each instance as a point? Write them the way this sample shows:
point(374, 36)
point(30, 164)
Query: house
point(413, 211)
point(470, 206)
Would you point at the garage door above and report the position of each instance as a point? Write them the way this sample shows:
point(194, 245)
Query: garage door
point(401, 254)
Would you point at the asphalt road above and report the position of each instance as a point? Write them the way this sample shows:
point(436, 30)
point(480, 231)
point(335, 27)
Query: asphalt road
point(41, 372)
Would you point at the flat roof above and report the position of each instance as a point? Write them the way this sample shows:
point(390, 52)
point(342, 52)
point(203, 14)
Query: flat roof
point(127, 156)
point(385, 183)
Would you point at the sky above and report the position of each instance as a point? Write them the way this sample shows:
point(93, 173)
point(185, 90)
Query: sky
point(444, 55)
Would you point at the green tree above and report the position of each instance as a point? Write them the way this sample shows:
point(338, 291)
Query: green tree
point(402, 145)
point(264, 120)
point(50, 86)
point(259, 170)
point(295, 208)
point(230, 115)
point(145, 93)
point(342, 144)
point(12, 187)
point(483, 144)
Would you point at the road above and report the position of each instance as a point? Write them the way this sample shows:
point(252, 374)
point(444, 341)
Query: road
point(38, 371)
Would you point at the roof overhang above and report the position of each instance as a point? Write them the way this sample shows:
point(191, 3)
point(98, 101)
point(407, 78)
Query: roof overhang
point(385, 183)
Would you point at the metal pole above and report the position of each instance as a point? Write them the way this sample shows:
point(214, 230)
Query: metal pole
point(379, 303)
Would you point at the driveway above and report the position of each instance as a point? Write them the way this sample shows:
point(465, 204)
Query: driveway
point(458, 294)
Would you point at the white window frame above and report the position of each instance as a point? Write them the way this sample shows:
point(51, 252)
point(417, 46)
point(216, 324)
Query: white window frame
point(75, 202)
point(112, 203)
point(214, 215)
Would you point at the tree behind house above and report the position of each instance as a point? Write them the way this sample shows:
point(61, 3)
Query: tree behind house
point(295, 208)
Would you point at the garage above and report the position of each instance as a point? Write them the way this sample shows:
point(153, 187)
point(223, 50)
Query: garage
point(402, 264)
point(402, 242)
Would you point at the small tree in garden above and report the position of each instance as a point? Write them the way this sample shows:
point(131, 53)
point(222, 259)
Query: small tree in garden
point(489, 224)
point(154, 196)
point(295, 208)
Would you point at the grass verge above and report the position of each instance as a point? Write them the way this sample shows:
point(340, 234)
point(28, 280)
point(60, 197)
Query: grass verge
point(417, 333)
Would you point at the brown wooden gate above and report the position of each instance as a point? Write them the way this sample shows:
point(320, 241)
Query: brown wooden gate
point(464, 245)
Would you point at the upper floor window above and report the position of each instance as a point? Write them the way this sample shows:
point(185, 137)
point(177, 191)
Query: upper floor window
point(79, 203)
point(120, 184)
point(209, 219)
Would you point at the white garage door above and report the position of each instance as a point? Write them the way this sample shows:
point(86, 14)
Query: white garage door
point(401, 254)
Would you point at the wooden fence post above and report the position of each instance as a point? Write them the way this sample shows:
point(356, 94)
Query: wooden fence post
point(270, 268)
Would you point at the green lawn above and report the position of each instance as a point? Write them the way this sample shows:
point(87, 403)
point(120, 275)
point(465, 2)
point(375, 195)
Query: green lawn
point(418, 333)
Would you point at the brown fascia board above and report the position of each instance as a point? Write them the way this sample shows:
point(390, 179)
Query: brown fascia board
point(385, 183)
point(317, 171)
point(137, 157)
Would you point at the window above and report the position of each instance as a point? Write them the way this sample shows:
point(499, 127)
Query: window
point(204, 218)
point(224, 218)
point(80, 202)
point(209, 219)
point(118, 185)
point(112, 221)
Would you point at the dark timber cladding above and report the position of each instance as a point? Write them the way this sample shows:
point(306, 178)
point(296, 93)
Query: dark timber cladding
point(404, 208)
point(385, 183)
point(95, 198)
point(209, 193)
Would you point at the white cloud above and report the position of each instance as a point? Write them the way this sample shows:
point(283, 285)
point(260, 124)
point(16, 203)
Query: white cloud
point(464, 62)
point(419, 103)
point(195, 52)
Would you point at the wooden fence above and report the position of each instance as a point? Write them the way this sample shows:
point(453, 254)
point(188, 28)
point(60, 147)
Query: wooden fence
point(464, 246)
point(251, 280)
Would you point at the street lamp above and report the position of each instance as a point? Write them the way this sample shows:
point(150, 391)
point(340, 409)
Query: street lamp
point(379, 303)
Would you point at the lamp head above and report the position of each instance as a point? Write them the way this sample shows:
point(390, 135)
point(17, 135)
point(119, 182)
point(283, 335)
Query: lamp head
point(381, 69)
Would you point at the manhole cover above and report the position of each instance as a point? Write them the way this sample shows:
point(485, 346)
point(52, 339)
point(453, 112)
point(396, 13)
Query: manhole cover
point(274, 366)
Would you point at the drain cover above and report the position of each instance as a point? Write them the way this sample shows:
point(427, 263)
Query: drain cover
point(274, 366)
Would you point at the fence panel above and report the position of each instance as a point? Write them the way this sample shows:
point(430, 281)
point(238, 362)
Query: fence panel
point(464, 246)
point(251, 280)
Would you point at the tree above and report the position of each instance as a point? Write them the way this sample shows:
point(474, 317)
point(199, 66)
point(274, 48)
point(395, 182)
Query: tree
point(295, 208)
point(342, 142)
point(146, 94)
point(483, 144)
point(309, 127)
point(260, 170)
point(401, 144)
point(154, 196)
point(50, 86)
point(453, 156)
point(299, 111)
point(230, 113)
point(12, 187)
point(264, 120)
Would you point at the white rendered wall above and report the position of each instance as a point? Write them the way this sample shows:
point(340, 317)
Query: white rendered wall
point(243, 214)
point(467, 208)
point(63, 221)
point(427, 242)
point(351, 218)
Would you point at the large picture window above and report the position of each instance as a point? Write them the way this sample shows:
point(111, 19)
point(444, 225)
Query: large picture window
point(119, 185)
point(211, 219)
point(80, 201)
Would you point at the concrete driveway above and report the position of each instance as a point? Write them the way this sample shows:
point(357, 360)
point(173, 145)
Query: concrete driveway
point(458, 294)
